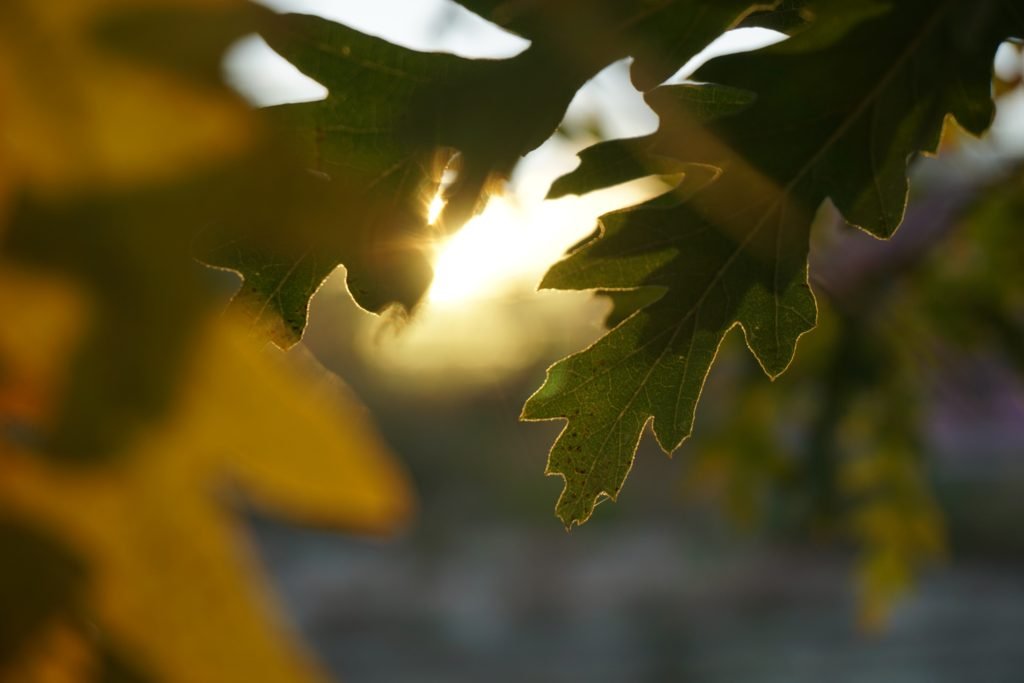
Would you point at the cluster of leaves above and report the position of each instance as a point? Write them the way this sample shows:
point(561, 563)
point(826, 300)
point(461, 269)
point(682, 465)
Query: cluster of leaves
point(835, 112)
point(124, 159)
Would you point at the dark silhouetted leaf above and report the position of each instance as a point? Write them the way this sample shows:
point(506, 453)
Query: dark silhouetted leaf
point(618, 161)
point(786, 17)
point(395, 119)
point(660, 35)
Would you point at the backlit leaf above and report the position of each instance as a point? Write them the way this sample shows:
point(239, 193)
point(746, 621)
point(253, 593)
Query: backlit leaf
point(882, 81)
point(395, 119)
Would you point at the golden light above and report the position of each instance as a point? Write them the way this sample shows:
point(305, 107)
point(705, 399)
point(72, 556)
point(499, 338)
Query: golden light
point(504, 251)
point(434, 209)
point(482, 317)
point(482, 258)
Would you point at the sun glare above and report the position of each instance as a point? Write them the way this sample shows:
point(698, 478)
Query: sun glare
point(435, 208)
point(505, 249)
point(482, 317)
point(482, 258)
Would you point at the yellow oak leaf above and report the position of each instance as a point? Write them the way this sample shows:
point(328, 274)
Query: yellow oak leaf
point(59, 654)
point(78, 115)
point(171, 579)
point(44, 317)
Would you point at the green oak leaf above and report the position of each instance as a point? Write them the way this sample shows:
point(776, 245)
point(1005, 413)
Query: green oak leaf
point(840, 108)
point(660, 35)
point(626, 302)
point(374, 153)
point(788, 17)
point(618, 161)
point(393, 121)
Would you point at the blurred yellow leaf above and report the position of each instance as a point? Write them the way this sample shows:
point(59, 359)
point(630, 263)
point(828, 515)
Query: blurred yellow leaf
point(43, 318)
point(76, 115)
point(58, 655)
point(172, 581)
point(898, 524)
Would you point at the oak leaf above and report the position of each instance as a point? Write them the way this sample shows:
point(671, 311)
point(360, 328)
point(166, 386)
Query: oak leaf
point(170, 580)
point(882, 79)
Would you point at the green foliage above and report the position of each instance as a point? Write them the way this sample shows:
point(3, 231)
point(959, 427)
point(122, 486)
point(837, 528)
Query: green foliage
point(835, 112)
point(661, 36)
point(839, 110)
point(396, 119)
point(975, 298)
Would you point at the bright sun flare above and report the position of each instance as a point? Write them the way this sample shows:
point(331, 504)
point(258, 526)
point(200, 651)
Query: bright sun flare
point(435, 208)
point(507, 247)
point(483, 258)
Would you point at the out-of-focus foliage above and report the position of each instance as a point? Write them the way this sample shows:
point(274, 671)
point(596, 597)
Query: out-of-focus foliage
point(164, 577)
point(831, 450)
point(975, 295)
point(79, 114)
point(135, 425)
point(102, 182)
point(835, 446)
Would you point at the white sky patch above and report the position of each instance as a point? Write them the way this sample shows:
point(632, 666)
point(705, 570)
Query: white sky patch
point(730, 42)
point(1008, 62)
point(425, 25)
point(265, 78)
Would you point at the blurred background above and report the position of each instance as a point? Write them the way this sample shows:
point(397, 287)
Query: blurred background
point(856, 520)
